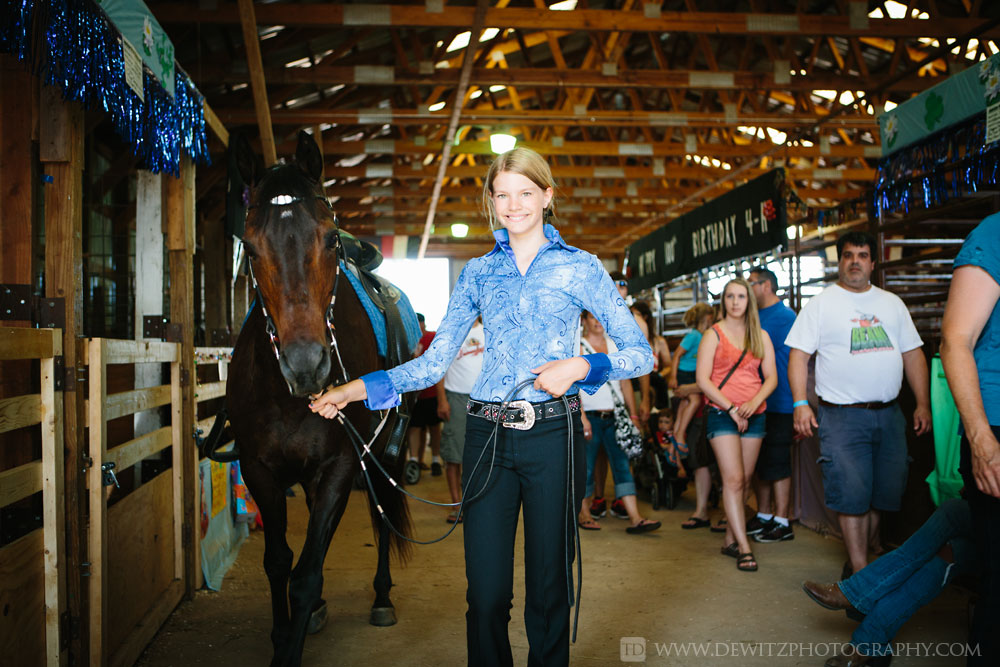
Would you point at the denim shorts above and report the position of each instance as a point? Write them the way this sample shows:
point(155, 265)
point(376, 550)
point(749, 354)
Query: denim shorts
point(863, 458)
point(720, 423)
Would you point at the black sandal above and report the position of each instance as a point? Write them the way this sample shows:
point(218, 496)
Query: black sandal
point(732, 550)
point(746, 562)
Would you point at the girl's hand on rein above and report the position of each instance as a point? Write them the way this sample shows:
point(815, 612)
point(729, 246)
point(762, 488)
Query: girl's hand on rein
point(556, 377)
point(333, 400)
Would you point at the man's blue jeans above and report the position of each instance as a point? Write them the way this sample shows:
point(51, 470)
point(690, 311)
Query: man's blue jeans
point(894, 586)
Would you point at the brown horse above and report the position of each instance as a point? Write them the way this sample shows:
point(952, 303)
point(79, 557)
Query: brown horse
point(283, 355)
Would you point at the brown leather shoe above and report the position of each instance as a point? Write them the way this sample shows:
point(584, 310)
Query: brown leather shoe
point(826, 595)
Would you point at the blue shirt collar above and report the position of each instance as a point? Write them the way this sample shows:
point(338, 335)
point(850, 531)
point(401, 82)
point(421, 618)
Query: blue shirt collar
point(551, 233)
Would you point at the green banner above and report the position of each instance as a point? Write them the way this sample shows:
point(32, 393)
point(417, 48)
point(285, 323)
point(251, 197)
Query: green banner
point(951, 101)
point(138, 25)
point(747, 220)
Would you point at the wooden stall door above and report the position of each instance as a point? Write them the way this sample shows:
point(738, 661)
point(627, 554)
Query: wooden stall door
point(136, 545)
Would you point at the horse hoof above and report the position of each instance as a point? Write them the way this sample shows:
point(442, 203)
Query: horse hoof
point(383, 616)
point(317, 620)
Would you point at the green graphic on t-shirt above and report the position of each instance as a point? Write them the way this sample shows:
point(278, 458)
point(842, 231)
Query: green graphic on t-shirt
point(870, 336)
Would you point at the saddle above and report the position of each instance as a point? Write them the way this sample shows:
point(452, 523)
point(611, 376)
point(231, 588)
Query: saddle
point(361, 259)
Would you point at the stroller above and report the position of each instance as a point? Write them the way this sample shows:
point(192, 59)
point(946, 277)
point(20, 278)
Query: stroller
point(654, 475)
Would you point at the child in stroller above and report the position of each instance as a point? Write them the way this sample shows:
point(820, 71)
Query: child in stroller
point(660, 468)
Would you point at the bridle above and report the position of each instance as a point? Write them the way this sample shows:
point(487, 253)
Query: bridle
point(272, 331)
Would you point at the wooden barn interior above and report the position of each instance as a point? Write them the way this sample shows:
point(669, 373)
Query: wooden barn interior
point(120, 300)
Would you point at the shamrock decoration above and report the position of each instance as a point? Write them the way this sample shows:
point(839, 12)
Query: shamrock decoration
point(934, 106)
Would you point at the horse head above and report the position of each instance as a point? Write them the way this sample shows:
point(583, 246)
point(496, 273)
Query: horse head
point(293, 250)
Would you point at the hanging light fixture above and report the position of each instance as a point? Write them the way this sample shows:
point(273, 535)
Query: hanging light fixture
point(459, 230)
point(501, 142)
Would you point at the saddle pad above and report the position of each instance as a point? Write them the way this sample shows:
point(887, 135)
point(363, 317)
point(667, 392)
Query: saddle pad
point(406, 313)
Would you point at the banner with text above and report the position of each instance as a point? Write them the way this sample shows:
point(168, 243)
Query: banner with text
point(748, 220)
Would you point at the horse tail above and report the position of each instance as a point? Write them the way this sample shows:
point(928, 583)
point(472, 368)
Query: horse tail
point(391, 499)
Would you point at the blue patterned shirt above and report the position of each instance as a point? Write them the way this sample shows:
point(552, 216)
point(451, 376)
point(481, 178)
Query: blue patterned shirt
point(528, 320)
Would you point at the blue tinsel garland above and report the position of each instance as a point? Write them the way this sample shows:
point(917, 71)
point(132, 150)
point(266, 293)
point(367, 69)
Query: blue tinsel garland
point(81, 52)
point(951, 163)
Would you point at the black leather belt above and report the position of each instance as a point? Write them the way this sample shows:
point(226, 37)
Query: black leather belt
point(600, 414)
point(521, 415)
point(874, 405)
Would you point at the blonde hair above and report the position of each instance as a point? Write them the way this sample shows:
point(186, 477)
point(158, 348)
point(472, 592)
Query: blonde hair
point(527, 163)
point(695, 314)
point(753, 341)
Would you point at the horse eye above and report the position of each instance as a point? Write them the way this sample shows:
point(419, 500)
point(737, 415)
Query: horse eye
point(332, 239)
point(250, 250)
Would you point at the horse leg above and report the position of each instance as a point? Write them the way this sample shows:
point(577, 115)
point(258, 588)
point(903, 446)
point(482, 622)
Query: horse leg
point(317, 621)
point(306, 583)
point(383, 613)
point(278, 556)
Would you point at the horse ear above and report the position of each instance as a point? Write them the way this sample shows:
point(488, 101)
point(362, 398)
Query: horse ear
point(308, 157)
point(249, 164)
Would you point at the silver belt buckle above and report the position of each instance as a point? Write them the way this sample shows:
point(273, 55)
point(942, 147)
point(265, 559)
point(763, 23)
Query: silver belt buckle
point(527, 411)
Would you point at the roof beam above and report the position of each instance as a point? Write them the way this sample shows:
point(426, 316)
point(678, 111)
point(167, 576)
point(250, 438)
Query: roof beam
point(483, 115)
point(262, 109)
point(600, 148)
point(592, 20)
point(691, 172)
point(542, 77)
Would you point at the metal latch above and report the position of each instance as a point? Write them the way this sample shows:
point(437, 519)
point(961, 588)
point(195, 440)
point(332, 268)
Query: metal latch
point(109, 474)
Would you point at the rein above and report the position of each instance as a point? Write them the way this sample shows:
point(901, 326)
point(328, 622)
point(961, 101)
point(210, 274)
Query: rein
point(363, 449)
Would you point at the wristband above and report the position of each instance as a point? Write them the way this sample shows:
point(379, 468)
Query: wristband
point(733, 407)
point(799, 404)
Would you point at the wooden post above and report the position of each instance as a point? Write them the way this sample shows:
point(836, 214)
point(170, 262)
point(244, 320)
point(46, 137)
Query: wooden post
point(61, 152)
point(148, 282)
point(179, 207)
point(53, 513)
point(97, 536)
point(214, 277)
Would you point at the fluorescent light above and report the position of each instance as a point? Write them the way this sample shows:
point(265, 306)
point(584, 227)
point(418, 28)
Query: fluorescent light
point(501, 143)
point(459, 230)
point(436, 107)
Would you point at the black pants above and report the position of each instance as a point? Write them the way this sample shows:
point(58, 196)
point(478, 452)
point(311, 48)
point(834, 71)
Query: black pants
point(986, 531)
point(530, 470)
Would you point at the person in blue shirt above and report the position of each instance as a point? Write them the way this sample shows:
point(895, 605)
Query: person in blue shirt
point(699, 317)
point(530, 290)
point(773, 475)
point(970, 354)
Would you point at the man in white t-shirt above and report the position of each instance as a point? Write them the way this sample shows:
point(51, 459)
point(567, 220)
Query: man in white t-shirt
point(865, 341)
point(452, 397)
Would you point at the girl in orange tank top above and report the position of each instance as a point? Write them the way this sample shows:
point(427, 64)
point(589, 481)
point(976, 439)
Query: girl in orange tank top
point(729, 375)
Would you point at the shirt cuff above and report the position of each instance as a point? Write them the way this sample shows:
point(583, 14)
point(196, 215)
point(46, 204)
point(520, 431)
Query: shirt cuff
point(382, 393)
point(600, 369)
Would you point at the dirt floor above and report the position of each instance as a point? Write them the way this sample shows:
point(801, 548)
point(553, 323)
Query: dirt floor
point(670, 588)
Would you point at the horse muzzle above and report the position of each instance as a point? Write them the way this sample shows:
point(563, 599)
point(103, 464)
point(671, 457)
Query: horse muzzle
point(305, 367)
